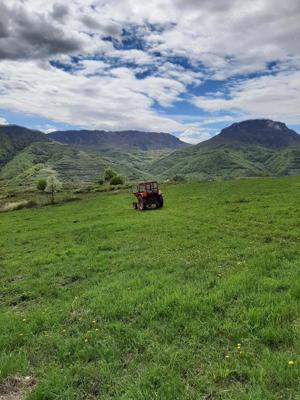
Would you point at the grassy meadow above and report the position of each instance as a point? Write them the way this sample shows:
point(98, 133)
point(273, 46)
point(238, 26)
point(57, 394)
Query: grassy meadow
point(198, 300)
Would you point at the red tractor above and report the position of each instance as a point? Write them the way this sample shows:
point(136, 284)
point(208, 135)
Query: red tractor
point(147, 194)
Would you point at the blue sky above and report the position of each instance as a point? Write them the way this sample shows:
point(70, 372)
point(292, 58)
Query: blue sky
point(180, 66)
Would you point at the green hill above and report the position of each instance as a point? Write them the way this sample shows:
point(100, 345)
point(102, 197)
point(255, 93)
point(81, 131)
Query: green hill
point(246, 149)
point(27, 155)
point(198, 300)
point(14, 139)
point(72, 164)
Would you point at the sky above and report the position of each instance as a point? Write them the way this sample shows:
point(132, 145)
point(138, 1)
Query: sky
point(187, 67)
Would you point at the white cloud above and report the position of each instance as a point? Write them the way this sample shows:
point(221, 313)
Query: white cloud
point(133, 56)
point(3, 121)
point(47, 128)
point(113, 101)
point(271, 96)
point(195, 134)
point(220, 39)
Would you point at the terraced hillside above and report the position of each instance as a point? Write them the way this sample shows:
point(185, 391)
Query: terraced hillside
point(72, 164)
point(29, 155)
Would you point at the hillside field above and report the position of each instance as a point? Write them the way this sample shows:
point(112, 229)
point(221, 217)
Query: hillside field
point(199, 300)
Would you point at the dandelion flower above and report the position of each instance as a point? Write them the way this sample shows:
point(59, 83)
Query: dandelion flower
point(291, 362)
point(227, 356)
point(94, 321)
point(24, 319)
point(96, 329)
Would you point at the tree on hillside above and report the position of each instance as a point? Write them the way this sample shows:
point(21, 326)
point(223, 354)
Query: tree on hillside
point(41, 185)
point(116, 180)
point(109, 174)
point(53, 186)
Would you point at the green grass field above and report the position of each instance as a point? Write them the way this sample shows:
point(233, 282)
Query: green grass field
point(198, 300)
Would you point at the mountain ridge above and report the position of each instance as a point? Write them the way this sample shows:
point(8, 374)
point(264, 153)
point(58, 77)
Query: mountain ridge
point(262, 132)
point(128, 139)
point(258, 147)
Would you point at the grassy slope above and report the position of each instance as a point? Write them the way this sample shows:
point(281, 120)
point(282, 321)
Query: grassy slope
point(206, 162)
point(100, 301)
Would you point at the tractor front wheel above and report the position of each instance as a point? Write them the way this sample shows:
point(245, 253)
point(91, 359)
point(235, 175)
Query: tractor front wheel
point(141, 204)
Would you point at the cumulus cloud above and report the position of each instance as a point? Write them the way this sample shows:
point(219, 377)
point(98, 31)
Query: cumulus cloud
point(78, 62)
point(275, 96)
point(195, 134)
point(60, 12)
point(116, 100)
point(3, 121)
point(46, 128)
point(32, 36)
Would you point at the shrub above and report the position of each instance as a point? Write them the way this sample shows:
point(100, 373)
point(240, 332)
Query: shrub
point(41, 185)
point(109, 174)
point(178, 178)
point(116, 180)
point(100, 181)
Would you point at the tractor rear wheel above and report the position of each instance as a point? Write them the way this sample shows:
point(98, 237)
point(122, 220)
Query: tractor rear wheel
point(159, 201)
point(141, 204)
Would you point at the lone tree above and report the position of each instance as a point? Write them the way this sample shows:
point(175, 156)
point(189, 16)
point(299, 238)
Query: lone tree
point(53, 186)
point(109, 174)
point(41, 185)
